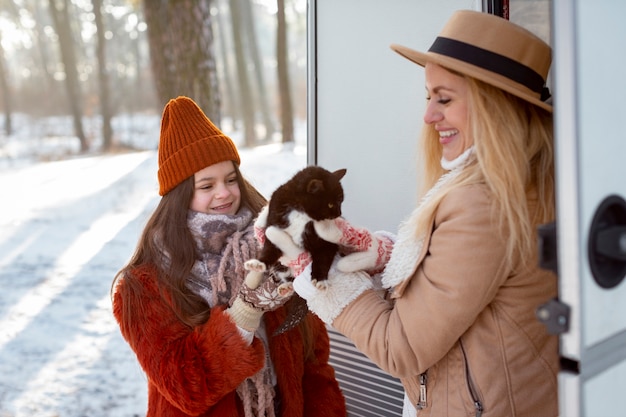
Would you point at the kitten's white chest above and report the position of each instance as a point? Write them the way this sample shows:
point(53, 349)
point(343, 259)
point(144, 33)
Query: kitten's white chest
point(297, 222)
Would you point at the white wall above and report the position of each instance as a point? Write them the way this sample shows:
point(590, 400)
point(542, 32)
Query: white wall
point(370, 100)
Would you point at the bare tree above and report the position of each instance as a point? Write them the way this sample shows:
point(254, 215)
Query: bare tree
point(284, 89)
point(103, 78)
point(229, 93)
point(61, 19)
point(42, 59)
point(161, 54)
point(6, 93)
point(245, 94)
point(252, 43)
point(180, 35)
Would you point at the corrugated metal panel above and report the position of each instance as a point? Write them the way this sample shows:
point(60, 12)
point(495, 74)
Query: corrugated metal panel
point(369, 391)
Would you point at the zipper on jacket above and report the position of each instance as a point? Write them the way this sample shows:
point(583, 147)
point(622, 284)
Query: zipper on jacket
point(423, 399)
point(478, 406)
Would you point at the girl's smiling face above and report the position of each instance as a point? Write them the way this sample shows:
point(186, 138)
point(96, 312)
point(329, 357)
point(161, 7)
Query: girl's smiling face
point(216, 190)
point(447, 111)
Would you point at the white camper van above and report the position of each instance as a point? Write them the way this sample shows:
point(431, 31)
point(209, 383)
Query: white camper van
point(365, 113)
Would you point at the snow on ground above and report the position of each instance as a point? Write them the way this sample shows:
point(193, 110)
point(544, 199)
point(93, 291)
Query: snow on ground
point(66, 227)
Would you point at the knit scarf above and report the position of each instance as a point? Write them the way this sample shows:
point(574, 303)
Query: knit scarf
point(408, 247)
point(223, 244)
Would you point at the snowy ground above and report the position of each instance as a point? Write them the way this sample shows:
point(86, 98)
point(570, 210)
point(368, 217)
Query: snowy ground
point(66, 227)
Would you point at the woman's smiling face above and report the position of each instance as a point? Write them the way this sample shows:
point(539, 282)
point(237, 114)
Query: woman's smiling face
point(446, 109)
point(216, 190)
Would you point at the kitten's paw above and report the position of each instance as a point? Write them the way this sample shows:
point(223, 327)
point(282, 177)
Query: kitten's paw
point(285, 289)
point(254, 265)
point(320, 285)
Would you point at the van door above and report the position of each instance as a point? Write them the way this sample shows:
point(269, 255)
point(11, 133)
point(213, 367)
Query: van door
point(590, 91)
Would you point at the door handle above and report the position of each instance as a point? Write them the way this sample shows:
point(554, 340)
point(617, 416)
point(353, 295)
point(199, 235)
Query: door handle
point(606, 245)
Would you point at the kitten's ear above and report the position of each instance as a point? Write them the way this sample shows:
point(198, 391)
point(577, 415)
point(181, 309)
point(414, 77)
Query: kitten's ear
point(314, 186)
point(340, 173)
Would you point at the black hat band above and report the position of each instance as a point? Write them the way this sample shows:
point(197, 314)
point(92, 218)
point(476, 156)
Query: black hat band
point(490, 61)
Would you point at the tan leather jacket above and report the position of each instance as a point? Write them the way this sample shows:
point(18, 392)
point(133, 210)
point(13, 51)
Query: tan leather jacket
point(462, 329)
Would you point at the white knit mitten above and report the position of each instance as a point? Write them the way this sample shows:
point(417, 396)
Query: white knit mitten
point(342, 288)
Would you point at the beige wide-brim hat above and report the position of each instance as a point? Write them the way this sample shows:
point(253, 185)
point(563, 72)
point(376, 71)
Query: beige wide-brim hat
point(493, 50)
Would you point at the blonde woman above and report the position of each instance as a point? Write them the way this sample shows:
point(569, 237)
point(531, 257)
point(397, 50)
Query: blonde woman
point(456, 322)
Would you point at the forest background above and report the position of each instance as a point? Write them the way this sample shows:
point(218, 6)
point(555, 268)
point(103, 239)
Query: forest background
point(101, 62)
point(83, 84)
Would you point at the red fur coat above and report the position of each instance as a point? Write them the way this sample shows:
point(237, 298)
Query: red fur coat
point(195, 372)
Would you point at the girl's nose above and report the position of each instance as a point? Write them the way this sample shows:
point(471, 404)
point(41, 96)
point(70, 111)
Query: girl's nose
point(432, 113)
point(221, 191)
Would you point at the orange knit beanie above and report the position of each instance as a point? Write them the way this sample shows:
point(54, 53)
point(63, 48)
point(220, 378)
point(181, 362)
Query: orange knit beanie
point(189, 142)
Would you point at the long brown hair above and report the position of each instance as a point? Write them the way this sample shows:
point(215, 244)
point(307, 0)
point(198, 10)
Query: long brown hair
point(167, 232)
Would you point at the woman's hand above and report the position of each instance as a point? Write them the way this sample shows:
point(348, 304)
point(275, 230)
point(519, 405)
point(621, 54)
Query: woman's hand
point(342, 289)
point(366, 251)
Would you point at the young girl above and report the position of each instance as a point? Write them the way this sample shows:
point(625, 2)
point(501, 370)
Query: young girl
point(201, 333)
point(457, 323)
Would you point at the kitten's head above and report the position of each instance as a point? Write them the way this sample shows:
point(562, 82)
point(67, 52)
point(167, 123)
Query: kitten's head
point(323, 193)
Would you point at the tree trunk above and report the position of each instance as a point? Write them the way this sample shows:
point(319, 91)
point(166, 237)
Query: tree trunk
point(262, 99)
point(161, 53)
point(180, 35)
point(6, 94)
point(230, 92)
point(103, 79)
point(203, 69)
point(61, 20)
point(284, 89)
point(44, 53)
point(245, 96)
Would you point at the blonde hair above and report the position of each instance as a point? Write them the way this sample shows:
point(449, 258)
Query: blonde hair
point(513, 142)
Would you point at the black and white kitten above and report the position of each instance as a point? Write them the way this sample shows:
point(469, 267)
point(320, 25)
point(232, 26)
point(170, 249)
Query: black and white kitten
point(313, 193)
